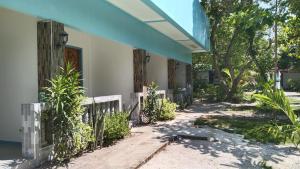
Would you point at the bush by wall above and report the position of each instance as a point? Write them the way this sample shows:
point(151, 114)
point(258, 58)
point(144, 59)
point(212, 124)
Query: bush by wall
point(152, 103)
point(167, 111)
point(116, 126)
point(64, 96)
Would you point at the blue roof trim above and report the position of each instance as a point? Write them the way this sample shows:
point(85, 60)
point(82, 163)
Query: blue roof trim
point(187, 16)
point(101, 18)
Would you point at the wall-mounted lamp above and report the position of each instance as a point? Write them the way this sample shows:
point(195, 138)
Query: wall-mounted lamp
point(147, 58)
point(63, 39)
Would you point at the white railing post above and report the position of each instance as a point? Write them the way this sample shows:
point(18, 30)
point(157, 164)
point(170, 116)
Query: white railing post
point(120, 103)
point(31, 124)
point(107, 100)
point(162, 92)
point(136, 101)
point(31, 127)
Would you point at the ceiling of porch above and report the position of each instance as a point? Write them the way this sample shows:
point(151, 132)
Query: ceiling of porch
point(153, 18)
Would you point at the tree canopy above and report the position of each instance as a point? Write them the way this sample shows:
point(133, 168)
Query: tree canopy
point(242, 38)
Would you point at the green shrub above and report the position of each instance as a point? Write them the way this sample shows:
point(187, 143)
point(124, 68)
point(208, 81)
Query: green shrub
point(263, 134)
point(293, 85)
point(277, 100)
point(64, 97)
point(151, 103)
point(199, 87)
point(181, 99)
point(254, 129)
point(167, 111)
point(116, 126)
point(215, 93)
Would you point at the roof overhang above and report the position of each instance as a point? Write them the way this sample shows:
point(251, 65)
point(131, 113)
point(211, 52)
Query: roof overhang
point(170, 29)
point(183, 21)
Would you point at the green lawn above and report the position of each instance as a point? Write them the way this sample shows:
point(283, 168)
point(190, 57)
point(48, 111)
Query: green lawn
point(252, 128)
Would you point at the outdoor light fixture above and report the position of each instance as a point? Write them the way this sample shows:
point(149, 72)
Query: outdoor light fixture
point(63, 39)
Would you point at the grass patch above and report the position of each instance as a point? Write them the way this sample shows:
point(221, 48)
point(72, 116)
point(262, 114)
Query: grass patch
point(252, 128)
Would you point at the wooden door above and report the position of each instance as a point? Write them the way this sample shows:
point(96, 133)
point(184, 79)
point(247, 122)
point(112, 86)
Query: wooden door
point(72, 56)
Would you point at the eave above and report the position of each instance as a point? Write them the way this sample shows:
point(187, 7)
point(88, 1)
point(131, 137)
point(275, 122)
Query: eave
point(166, 34)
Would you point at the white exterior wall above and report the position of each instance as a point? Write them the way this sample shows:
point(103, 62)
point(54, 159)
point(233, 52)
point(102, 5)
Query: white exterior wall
point(18, 70)
point(107, 68)
point(107, 65)
point(180, 75)
point(157, 71)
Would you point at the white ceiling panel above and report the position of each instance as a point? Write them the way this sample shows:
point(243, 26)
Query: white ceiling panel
point(142, 12)
point(191, 45)
point(169, 30)
point(137, 9)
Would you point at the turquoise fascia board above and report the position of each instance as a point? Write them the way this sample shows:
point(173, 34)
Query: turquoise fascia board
point(101, 18)
point(187, 16)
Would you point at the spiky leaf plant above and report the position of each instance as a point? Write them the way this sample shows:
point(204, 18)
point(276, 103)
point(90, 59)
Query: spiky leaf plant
point(277, 100)
point(64, 97)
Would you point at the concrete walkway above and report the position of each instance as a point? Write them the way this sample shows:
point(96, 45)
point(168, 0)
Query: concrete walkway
point(10, 154)
point(228, 150)
point(131, 152)
point(125, 154)
point(224, 151)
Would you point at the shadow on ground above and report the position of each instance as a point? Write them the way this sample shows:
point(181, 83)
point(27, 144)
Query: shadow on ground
point(245, 154)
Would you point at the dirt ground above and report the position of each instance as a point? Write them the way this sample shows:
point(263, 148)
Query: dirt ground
point(226, 151)
point(221, 150)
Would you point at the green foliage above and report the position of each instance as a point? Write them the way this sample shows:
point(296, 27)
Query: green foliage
point(64, 96)
point(238, 42)
point(259, 134)
point(116, 126)
point(181, 99)
point(201, 67)
point(277, 100)
point(252, 129)
point(289, 40)
point(151, 103)
point(289, 33)
point(199, 87)
point(156, 108)
point(167, 111)
point(214, 93)
point(293, 85)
